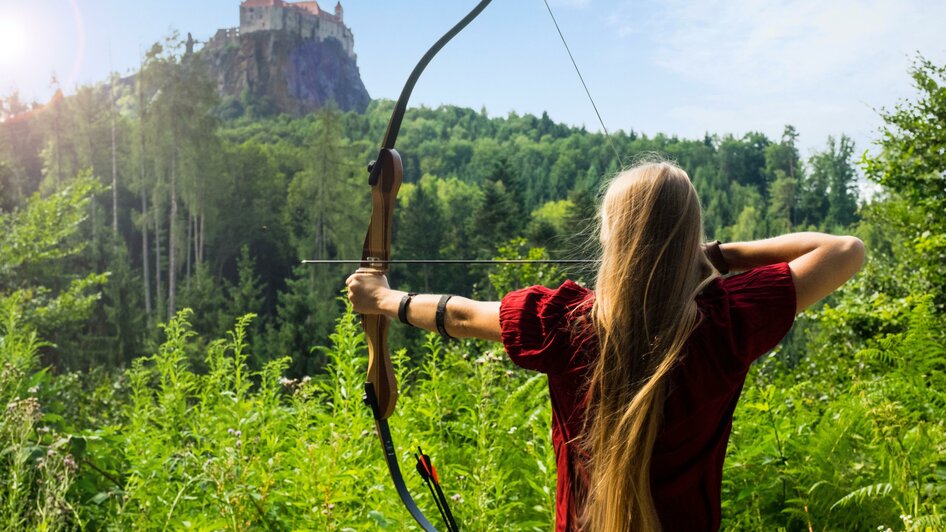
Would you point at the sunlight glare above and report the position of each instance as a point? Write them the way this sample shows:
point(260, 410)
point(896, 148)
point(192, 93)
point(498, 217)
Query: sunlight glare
point(12, 41)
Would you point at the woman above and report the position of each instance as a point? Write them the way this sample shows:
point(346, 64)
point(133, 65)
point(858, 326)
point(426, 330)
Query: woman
point(644, 371)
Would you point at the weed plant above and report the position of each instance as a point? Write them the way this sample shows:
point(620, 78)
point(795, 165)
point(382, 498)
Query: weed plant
point(848, 438)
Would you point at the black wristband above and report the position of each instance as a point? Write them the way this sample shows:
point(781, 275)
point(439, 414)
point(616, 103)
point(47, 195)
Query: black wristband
point(402, 307)
point(715, 256)
point(441, 313)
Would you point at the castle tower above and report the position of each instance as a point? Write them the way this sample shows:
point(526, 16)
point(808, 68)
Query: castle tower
point(339, 11)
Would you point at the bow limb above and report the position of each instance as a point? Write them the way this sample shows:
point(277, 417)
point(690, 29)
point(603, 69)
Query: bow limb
point(394, 124)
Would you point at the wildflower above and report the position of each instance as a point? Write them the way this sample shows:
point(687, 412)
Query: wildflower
point(306, 379)
point(239, 443)
point(230, 432)
point(237, 433)
point(457, 498)
point(33, 390)
point(509, 373)
point(51, 452)
point(70, 463)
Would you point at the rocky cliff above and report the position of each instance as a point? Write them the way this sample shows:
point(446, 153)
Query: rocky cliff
point(297, 75)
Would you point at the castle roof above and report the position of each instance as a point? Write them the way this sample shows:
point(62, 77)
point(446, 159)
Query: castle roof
point(263, 3)
point(309, 7)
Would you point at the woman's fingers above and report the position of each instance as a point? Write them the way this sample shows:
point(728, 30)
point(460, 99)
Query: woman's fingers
point(366, 289)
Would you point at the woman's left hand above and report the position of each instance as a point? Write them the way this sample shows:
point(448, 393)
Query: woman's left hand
point(368, 292)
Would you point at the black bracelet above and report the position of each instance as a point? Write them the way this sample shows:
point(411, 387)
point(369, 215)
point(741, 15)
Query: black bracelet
point(715, 256)
point(402, 307)
point(441, 313)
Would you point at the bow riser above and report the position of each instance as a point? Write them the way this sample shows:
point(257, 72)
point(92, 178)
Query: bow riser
point(377, 249)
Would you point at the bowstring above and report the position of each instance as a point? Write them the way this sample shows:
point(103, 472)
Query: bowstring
point(561, 35)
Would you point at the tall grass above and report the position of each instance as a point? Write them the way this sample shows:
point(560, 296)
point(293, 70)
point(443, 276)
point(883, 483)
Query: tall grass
point(850, 438)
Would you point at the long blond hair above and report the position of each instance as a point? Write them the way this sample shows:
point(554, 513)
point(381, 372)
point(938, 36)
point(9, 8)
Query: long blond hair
point(652, 268)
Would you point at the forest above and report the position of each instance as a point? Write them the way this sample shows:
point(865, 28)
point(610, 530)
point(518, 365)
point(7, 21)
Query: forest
point(168, 361)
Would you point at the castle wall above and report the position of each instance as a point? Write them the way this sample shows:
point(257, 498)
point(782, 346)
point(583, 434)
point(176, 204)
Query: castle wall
point(297, 21)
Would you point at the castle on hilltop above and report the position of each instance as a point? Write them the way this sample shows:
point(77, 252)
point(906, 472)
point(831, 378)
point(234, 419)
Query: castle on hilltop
point(304, 19)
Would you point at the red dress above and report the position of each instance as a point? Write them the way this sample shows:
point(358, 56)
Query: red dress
point(743, 317)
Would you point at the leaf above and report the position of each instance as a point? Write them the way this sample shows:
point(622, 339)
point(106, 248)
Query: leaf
point(77, 446)
point(860, 495)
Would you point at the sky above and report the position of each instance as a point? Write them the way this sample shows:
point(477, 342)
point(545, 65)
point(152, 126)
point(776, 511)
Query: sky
point(677, 67)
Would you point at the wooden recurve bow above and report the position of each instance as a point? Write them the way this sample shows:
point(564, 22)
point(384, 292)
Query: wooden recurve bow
point(385, 175)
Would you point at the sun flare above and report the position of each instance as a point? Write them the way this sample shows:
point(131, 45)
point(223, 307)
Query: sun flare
point(12, 40)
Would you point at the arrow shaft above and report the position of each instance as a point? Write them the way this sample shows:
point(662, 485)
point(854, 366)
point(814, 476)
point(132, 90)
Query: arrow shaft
point(454, 261)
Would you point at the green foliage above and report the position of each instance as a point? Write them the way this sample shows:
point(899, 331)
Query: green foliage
point(193, 189)
point(36, 469)
point(841, 429)
point(508, 277)
point(38, 242)
point(849, 439)
point(235, 449)
point(910, 168)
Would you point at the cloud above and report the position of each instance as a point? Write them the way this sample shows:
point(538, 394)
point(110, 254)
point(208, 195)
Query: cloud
point(754, 65)
point(755, 46)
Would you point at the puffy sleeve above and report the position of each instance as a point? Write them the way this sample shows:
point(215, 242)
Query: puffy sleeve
point(762, 309)
point(535, 325)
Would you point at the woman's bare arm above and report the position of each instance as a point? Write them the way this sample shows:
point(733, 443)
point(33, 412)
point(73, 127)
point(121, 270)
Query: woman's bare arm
point(465, 318)
point(819, 263)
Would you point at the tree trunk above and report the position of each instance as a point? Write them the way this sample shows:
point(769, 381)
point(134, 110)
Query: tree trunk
point(196, 241)
point(172, 247)
point(144, 247)
point(144, 196)
point(187, 246)
point(321, 246)
point(94, 224)
point(111, 97)
point(92, 213)
point(58, 127)
point(157, 251)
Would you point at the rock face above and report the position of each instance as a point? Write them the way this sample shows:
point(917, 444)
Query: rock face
point(297, 74)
